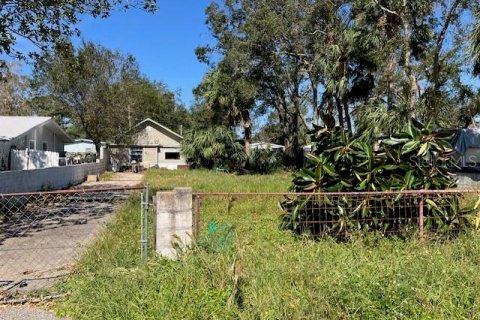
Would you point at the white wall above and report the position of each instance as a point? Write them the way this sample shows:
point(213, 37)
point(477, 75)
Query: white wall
point(51, 178)
point(48, 178)
point(40, 135)
point(171, 164)
point(33, 159)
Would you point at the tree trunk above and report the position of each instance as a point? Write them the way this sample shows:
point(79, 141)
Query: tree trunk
point(436, 56)
point(340, 111)
point(290, 137)
point(129, 117)
point(412, 80)
point(348, 120)
point(247, 131)
point(280, 106)
point(390, 84)
point(391, 30)
point(315, 110)
point(294, 145)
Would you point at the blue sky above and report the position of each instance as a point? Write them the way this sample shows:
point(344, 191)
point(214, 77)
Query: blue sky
point(163, 43)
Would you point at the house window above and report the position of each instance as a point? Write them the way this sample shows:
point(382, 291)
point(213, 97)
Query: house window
point(172, 155)
point(31, 145)
point(44, 146)
point(136, 154)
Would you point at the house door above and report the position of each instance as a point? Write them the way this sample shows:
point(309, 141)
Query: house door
point(150, 157)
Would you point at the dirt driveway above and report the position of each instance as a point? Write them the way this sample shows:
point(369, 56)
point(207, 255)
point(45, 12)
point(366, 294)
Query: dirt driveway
point(42, 235)
point(119, 180)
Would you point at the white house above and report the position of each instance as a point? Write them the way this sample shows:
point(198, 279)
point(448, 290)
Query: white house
point(154, 145)
point(267, 146)
point(30, 142)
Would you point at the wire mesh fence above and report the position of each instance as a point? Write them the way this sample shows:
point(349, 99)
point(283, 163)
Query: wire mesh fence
point(403, 214)
point(42, 234)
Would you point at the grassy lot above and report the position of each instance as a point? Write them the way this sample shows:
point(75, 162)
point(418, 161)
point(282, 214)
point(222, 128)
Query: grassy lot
point(107, 176)
point(262, 272)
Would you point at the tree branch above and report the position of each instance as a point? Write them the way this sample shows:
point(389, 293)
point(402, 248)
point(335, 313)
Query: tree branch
point(386, 9)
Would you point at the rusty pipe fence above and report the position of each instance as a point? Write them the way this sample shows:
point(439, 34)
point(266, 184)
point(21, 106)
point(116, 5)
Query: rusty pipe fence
point(42, 234)
point(418, 213)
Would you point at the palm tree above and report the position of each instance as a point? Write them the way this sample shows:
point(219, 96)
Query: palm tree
point(212, 148)
point(233, 97)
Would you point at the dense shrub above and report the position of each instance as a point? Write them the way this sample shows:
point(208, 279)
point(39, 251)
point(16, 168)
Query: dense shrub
point(215, 147)
point(264, 161)
point(417, 158)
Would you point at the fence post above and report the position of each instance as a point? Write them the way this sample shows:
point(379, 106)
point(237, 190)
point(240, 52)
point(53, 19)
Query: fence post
point(196, 226)
point(154, 227)
point(420, 216)
point(174, 222)
point(144, 222)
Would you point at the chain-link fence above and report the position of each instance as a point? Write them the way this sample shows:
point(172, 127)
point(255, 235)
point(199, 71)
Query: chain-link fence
point(43, 233)
point(403, 214)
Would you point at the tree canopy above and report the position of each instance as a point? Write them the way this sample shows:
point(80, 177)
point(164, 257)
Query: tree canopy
point(100, 94)
point(14, 92)
point(46, 23)
point(369, 65)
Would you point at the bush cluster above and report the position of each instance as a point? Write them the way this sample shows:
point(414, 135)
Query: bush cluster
point(264, 161)
point(418, 157)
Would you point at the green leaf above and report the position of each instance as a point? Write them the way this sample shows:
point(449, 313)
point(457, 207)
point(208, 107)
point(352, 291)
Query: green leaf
point(410, 130)
point(313, 158)
point(410, 146)
point(306, 175)
point(345, 183)
point(362, 185)
point(431, 203)
point(423, 149)
point(390, 167)
point(329, 170)
point(394, 141)
point(477, 204)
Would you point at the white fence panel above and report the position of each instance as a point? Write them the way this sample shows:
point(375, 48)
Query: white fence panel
point(33, 159)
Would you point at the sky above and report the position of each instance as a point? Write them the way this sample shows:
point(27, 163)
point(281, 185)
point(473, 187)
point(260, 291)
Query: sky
point(163, 43)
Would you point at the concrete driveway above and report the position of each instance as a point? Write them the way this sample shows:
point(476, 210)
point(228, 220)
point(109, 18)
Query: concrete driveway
point(41, 237)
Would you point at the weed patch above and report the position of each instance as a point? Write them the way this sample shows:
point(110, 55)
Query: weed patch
point(265, 272)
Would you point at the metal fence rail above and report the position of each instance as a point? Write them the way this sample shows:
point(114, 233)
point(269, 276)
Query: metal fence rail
point(43, 233)
point(342, 214)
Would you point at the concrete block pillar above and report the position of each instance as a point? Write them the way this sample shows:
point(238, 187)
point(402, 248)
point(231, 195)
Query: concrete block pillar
point(103, 151)
point(173, 225)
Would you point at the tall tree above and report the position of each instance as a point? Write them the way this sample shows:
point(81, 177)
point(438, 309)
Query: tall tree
point(230, 98)
point(371, 64)
point(419, 57)
point(99, 93)
point(261, 38)
point(14, 92)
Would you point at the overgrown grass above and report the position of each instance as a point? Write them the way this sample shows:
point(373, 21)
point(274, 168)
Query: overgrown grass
point(211, 181)
point(267, 273)
point(107, 176)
